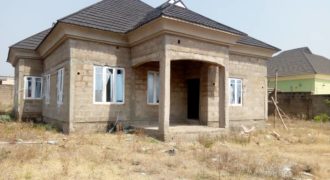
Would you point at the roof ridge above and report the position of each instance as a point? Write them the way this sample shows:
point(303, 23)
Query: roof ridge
point(308, 60)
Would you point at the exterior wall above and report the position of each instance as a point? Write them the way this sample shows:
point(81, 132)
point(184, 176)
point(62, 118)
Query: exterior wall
point(6, 98)
point(87, 116)
point(297, 85)
point(317, 84)
point(253, 72)
point(322, 86)
point(141, 112)
point(26, 109)
point(301, 105)
point(319, 106)
point(58, 114)
point(145, 57)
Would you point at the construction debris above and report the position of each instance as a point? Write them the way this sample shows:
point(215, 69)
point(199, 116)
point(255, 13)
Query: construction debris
point(171, 152)
point(246, 130)
point(276, 135)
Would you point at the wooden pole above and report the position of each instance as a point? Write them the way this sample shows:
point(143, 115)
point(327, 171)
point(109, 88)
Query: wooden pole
point(275, 91)
point(279, 113)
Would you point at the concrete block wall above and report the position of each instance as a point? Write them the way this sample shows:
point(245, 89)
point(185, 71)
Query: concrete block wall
point(26, 109)
point(58, 114)
point(301, 105)
point(213, 95)
point(178, 108)
point(6, 98)
point(142, 112)
point(88, 116)
point(253, 72)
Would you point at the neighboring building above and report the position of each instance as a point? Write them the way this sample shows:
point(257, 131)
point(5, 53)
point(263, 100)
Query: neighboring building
point(7, 80)
point(164, 65)
point(303, 81)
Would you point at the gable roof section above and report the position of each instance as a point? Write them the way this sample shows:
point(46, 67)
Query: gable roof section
point(118, 16)
point(31, 43)
point(171, 10)
point(299, 61)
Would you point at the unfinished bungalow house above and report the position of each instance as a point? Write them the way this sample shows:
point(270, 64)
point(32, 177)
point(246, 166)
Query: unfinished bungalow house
point(303, 82)
point(159, 66)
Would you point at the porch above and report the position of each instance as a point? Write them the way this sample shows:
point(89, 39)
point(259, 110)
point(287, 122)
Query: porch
point(192, 103)
point(193, 85)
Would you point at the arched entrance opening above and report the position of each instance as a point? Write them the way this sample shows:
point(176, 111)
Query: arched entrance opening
point(197, 93)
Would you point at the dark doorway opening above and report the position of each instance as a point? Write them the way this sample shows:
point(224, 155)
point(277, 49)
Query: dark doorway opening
point(193, 98)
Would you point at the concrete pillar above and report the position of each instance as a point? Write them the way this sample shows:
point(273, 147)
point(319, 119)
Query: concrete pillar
point(226, 105)
point(223, 98)
point(213, 96)
point(165, 94)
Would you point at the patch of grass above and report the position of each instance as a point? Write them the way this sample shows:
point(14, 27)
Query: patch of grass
point(4, 154)
point(45, 127)
point(322, 118)
point(98, 156)
point(206, 141)
point(235, 137)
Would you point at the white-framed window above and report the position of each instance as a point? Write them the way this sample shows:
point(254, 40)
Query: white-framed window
point(236, 92)
point(59, 86)
point(153, 88)
point(32, 87)
point(109, 85)
point(47, 88)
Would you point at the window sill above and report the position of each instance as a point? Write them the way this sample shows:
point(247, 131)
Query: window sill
point(34, 99)
point(95, 103)
point(236, 105)
point(153, 104)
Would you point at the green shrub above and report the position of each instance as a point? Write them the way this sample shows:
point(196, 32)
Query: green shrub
point(322, 118)
point(5, 118)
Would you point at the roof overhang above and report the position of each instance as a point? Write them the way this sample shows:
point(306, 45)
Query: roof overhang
point(15, 54)
point(63, 31)
point(252, 50)
point(170, 25)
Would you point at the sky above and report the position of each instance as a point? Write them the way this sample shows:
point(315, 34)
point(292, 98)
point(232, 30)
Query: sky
point(286, 24)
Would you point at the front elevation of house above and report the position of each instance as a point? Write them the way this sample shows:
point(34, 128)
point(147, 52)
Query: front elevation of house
point(123, 58)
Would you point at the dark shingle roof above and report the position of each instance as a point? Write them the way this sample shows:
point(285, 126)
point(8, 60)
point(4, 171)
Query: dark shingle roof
point(298, 62)
point(247, 40)
point(32, 42)
point(173, 11)
point(111, 15)
point(122, 16)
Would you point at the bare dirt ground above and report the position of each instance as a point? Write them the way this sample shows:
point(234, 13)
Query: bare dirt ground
point(301, 153)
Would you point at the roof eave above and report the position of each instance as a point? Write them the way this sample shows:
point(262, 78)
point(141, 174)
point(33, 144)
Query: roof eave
point(273, 48)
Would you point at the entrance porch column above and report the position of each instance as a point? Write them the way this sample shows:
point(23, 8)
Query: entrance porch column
point(224, 97)
point(165, 94)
